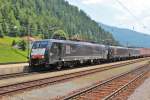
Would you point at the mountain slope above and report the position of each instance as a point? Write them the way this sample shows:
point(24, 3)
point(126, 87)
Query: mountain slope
point(128, 37)
point(40, 15)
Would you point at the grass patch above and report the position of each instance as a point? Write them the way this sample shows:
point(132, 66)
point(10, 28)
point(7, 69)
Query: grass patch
point(10, 54)
point(8, 40)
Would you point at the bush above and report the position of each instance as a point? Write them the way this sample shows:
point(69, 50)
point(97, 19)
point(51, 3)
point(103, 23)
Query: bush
point(1, 35)
point(60, 34)
point(22, 45)
point(13, 43)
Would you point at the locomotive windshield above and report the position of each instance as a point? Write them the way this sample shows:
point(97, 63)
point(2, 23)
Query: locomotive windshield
point(40, 44)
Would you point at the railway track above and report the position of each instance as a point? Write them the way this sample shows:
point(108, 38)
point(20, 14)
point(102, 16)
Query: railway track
point(57, 79)
point(7, 76)
point(112, 88)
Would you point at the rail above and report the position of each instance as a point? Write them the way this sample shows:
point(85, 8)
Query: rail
point(77, 94)
point(109, 97)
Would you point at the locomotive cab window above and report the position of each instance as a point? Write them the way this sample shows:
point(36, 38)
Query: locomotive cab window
point(40, 44)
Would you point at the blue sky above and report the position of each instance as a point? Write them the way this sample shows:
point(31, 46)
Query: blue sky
point(110, 12)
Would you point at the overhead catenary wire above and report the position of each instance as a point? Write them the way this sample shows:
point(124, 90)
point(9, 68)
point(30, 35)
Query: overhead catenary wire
point(132, 14)
point(138, 20)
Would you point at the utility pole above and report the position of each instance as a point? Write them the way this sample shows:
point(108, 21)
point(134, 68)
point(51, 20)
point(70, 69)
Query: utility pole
point(127, 44)
point(28, 33)
point(28, 39)
point(133, 28)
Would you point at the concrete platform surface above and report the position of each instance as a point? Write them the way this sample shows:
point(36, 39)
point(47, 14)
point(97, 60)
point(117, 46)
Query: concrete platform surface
point(13, 68)
point(142, 92)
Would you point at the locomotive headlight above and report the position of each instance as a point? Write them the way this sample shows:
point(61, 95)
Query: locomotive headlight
point(42, 57)
point(33, 57)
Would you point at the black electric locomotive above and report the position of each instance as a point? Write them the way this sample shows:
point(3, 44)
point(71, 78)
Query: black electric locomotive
point(65, 52)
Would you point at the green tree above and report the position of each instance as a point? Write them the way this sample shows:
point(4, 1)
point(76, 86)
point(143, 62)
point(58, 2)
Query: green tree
point(22, 45)
point(13, 43)
point(60, 34)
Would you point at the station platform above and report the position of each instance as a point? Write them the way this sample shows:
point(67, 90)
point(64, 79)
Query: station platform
point(13, 68)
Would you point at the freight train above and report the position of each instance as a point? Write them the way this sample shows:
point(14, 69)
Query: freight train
point(60, 53)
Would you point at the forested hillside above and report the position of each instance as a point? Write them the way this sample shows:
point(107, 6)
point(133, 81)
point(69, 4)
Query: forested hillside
point(128, 37)
point(44, 17)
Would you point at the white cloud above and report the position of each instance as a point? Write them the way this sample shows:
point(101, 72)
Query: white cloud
point(139, 18)
point(92, 1)
point(137, 7)
point(112, 13)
